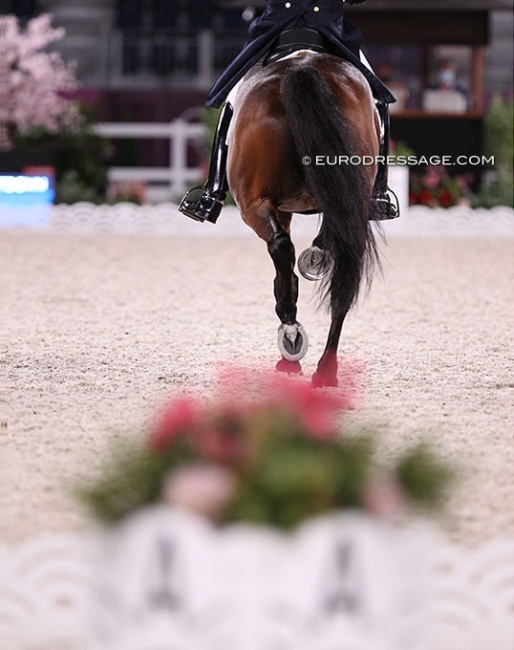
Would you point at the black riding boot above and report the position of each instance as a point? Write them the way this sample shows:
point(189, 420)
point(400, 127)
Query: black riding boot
point(207, 207)
point(384, 201)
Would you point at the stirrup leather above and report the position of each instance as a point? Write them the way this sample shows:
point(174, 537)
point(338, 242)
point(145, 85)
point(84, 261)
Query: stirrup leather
point(385, 203)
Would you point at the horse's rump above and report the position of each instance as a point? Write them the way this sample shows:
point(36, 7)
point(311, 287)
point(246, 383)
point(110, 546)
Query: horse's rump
point(262, 126)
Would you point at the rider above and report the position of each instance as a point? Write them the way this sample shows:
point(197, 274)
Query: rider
point(326, 17)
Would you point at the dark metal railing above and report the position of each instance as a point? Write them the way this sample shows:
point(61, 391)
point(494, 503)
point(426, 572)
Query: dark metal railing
point(170, 56)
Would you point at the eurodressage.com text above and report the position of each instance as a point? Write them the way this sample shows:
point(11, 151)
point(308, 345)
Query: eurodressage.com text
point(402, 161)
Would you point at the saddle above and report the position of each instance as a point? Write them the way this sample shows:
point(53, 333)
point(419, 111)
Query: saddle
point(293, 40)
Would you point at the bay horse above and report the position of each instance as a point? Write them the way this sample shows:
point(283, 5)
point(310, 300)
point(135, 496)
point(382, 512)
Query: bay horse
point(285, 114)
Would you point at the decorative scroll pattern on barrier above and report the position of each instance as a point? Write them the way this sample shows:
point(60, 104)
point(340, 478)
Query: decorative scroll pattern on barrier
point(45, 587)
point(164, 218)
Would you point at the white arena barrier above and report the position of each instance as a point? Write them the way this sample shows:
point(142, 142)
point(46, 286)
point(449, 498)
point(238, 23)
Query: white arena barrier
point(164, 218)
point(167, 580)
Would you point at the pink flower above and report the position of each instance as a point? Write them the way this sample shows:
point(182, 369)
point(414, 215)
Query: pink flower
point(317, 410)
point(224, 438)
point(232, 432)
point(384, 498)
point(462, 182)
point(204, 489)
point(178, 418)
point(432, 178)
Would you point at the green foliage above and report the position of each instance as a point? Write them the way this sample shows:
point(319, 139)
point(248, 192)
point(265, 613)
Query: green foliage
point(401, 148)
point(132, 480)
point(425, 477)
point(499, 137)
point(292, 478)
point(498, 186)
point(210, 117)
point(71, 188)
point(293, 481)
point(80, 158)
point(495, 189)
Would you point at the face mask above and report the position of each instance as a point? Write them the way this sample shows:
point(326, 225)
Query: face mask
point(446, 78)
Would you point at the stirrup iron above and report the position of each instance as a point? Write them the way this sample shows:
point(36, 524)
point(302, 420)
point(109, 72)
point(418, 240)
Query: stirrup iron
point(385, 206)
point(206, 207)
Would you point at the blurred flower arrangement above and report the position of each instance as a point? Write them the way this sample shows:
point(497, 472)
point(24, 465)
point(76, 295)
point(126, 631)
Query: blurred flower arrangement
point(435, 188)
point(132, 192)
point(40, 118)
point(33, 82)
point(277, 458)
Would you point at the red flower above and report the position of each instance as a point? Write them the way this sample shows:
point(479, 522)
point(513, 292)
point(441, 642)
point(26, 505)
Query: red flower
point(425, 197)
point(445, 199)
point(179, 417)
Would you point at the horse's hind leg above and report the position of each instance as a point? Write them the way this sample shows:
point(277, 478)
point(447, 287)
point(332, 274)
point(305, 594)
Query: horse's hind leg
point(274, 229)
point(326, 371)
point(292, 340)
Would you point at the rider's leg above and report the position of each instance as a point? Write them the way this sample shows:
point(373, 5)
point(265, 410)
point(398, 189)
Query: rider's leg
point(384, 200)
point(207, 207)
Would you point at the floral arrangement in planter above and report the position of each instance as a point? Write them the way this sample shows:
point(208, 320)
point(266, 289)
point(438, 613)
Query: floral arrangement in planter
point(435, 188)
point(276, 458)
point(129, 191)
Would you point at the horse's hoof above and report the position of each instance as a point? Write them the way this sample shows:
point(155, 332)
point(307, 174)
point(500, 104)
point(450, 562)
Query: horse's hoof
point(289, 367)
point(293, 341)
point(324, 380)
point(311, 263)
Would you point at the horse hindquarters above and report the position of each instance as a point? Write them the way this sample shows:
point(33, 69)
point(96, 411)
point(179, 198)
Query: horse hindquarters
point(343, 192)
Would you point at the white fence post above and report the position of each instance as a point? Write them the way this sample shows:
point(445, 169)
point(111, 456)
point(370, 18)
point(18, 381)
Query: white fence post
point(178, 155)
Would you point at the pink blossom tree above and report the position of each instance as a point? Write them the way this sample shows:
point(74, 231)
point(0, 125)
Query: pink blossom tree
point(33, 80)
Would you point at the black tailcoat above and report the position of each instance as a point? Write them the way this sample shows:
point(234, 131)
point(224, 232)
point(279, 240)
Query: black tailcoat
point(326, 16)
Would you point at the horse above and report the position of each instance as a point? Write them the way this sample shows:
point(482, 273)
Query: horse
point(312, 107)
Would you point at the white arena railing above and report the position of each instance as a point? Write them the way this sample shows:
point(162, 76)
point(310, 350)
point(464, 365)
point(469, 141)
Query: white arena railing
point(178, 177)
point(165, 219)
point(175, 178)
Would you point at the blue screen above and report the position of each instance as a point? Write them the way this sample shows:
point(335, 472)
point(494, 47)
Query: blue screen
point(25, 199)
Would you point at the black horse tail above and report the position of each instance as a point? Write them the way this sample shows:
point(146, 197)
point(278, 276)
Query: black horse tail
point(342, 191)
